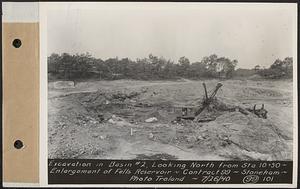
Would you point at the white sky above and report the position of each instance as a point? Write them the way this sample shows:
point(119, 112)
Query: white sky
point(251, 33)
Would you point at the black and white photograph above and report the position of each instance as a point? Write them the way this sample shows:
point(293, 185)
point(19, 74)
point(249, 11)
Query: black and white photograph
point(171, 81)
point(150, 94)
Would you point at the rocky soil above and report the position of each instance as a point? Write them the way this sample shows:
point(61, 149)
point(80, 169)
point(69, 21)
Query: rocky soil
point(135, 120)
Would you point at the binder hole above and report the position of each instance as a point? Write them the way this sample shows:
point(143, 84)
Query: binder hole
point(17, 43)
point(18, 144)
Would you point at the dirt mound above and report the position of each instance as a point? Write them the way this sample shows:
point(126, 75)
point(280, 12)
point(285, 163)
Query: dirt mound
point(255, 77)
point(161, 156)
point(230, 131)
point(63, 85)
point(109, 121)
point(126, 104)
point(253, 92)
point(234, 135)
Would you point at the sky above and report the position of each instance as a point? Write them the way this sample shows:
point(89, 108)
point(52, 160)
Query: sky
point(251, 33)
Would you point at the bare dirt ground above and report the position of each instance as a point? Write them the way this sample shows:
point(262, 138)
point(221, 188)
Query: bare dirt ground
point(106, 119)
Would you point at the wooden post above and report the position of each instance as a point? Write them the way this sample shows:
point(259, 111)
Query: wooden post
point(206, 96)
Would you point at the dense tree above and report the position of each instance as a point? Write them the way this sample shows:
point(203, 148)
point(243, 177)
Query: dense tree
point(198, 70)
point(184, 64)
point(211, 65)
point(257, 68)
point(53, 63)
point(219, 66)
point(228, 67)
point(84, 66)
point(279, 69)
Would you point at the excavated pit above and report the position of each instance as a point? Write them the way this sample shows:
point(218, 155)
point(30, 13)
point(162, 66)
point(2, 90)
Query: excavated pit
point(112, 124)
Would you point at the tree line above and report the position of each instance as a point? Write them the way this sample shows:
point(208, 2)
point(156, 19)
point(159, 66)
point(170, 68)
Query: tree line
point(279, 69)
point(84, 66)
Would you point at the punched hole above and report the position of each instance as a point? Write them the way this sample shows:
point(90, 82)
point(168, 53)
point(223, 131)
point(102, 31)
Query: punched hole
point(18, 144)
point(17, 43)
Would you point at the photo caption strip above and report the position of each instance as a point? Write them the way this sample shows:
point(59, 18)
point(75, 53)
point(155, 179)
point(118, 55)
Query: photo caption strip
point(71, 171)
